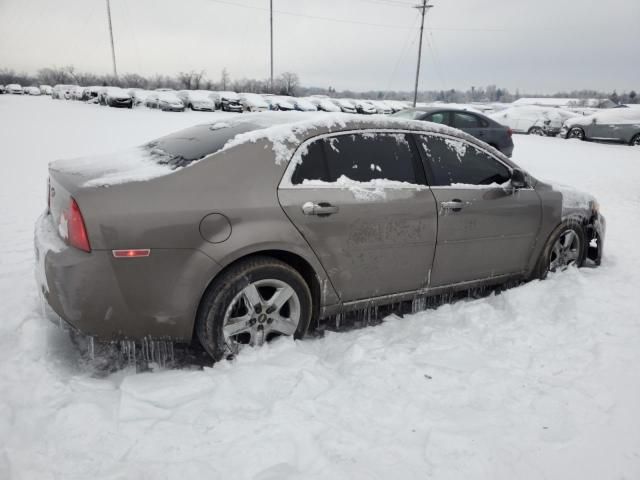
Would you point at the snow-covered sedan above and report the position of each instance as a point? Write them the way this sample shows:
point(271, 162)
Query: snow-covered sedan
point(238, 232)
point(46, 89)
point(365, 107)
point(620, 125)
point(167, 101)
point(14, 89)
point(115, 97)
point(304, 105)
point(533, 120)
point(324, 104)
point(227, 101)
point(345, 105)
point(200, 100)
point(382, 107)
point(62, 91)
point(34, 91)
point(252, 102)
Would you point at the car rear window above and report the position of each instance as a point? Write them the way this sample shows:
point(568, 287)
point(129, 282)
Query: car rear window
point(186, 146)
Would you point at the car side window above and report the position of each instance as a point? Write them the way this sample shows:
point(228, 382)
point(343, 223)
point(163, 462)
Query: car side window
point(361, 157)
point(465, 120)
point(454, 162)
point(438, 117)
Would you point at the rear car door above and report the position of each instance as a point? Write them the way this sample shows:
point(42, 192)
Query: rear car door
point(360, 200)
point(486, 228)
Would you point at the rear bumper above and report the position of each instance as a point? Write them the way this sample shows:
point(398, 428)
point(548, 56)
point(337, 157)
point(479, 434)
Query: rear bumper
point(113, 299)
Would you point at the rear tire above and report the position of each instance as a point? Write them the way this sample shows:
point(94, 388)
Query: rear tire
point(566, 246)
point(227, 306)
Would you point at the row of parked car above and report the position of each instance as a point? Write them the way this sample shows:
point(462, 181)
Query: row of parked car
point(206, 100)
point(621, 124)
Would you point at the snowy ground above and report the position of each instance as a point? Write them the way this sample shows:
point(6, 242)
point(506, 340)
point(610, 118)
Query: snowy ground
point(541, 382)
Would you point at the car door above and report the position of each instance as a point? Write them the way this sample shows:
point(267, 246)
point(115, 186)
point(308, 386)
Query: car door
point(486, 228)
point(469, 123)
point(361, 202)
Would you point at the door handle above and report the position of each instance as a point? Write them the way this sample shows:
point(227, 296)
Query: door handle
point(454, 205)
point(321, 209)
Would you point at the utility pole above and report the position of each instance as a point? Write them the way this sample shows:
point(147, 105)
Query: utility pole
point(423, 8)
point(271, 32)
point(113, 50)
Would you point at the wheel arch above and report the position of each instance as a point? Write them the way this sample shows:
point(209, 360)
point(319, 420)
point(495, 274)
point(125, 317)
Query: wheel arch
point(294, 260)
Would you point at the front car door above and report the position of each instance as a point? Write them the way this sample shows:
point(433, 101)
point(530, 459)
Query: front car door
point(360, 200)
point(486, 228)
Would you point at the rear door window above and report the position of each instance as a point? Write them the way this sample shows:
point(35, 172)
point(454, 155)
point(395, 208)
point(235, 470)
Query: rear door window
point(361, 157)
point(452, 162)
point(465, 120)
point(438, 117)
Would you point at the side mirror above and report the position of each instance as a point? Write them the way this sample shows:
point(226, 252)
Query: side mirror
point(594, 121)
point(518, 179)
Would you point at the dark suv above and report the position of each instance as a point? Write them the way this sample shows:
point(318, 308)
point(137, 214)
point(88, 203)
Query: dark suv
point(473, 123)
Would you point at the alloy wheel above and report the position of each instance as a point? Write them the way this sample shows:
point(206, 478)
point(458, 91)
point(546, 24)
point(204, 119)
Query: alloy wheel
point(262, 310)
point(636, 141)
point(576, 133)
point(565, 251)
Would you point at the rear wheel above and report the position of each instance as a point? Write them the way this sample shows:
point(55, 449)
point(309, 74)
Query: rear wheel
point(576, 132)
point(635, 141)
point(536, 131)
point(253, 302)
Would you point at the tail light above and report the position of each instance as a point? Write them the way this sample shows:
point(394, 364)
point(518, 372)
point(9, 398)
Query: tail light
point(76, 230)
point(509, 132)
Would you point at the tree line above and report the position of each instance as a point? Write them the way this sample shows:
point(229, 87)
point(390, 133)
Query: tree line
point(288, 83)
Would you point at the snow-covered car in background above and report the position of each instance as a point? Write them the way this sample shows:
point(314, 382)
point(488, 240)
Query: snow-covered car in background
point(283, 103)
point(77, 92)
point(533, 120)
point(139, 95)
point(227, 101)
point(621, 125)
point(115, 97)
point(252, 102)
point(304, 105)
point(91, 94)
point(397, 105)
point(14, 89)
point(365, 107)
point(200, 100)
point(382, 107)
point(46, 89)
point(116, 262)
point(345, 105)
point(62, 91)
point(35, 91)
point(324, 103)
point(167, 101)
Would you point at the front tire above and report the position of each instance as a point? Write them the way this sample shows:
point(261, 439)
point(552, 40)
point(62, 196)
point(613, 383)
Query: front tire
point(254, 301)
point(577, 132)
point(566, 247)
point(635, 141)
point(536, 131)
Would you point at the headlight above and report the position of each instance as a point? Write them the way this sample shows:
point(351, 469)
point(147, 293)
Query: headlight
point(595, 206)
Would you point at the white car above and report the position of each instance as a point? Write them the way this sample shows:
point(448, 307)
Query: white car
point(139, 96)
point(115, 97)
point(282, 102)
point(365, 107)
point(252, 102)
point(61, 91)
point(397, 105)
point(304, 105)
point(324, 104)
point(14, 89)
point(77, 92)
point(46, 89)
point(345, 105)
point(197, 100)
point(533, 120)
point(35, 91)
point(167, 101)
point(382, 107)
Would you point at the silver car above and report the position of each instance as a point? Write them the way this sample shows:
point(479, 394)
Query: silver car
point(241, 231)
point(620, 125)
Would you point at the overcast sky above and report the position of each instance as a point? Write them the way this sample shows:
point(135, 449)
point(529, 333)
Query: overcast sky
point(535, 46)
